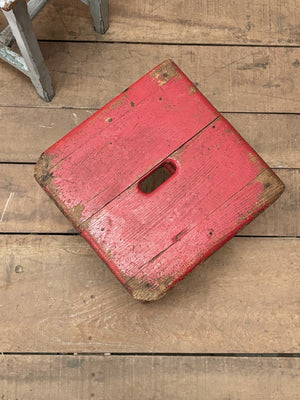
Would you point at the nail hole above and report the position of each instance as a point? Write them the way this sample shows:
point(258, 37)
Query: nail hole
point(157, 177)
point(18, 269)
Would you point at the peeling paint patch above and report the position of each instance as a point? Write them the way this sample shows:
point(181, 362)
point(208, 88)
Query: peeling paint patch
point(144, 291)
point(273, 187)
point(165, 72)
point(76, 213)
point(118, 103)
point(42, 169)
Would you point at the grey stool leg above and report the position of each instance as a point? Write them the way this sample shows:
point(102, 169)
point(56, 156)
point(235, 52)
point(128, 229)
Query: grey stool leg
point(99, 11)
point(21, 27)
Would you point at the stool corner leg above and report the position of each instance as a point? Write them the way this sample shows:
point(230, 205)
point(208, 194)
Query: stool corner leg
point(44, 89)
point(99, 11)
point(21, 27)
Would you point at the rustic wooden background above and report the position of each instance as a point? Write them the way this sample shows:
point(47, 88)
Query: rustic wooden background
point(230, 330)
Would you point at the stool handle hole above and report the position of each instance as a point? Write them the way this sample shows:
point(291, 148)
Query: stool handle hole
point(157, 177)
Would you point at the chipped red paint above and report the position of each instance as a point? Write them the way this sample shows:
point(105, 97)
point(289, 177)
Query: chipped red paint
point(151, 241)
point(125, 144)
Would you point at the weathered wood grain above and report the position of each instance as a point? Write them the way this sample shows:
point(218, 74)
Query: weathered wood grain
point(37, 129)
point(56, 295)
point(258, 22)
point(24, 207)
point(32, 377)
point(87, 75)
point(273, 136)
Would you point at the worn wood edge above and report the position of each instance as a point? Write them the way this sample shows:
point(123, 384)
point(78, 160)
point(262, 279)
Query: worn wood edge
point(142, 291)
point(42, 169)
point(43, 176)
point(164, 72)
point(273, 189)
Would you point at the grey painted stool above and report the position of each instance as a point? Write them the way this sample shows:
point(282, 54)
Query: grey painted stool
point(19, 15)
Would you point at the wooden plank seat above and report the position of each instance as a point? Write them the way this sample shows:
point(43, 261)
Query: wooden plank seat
point(156, 181)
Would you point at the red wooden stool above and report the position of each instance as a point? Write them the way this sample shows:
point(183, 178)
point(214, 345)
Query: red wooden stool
point(101, 177)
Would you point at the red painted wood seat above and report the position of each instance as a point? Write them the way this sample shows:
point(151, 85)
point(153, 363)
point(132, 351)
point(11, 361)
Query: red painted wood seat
point(98, 173)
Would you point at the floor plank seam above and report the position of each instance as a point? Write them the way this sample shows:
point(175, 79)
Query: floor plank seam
point(77, 234)
point(105, 354)
point(277, 167)
point(113, 42)
point(97, 109)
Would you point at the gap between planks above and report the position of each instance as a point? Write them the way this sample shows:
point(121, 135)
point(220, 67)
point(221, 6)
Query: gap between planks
point(106, 354)
point(202, 44)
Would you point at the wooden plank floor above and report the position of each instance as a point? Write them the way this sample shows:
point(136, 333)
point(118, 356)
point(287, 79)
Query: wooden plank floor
point(231, 329)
